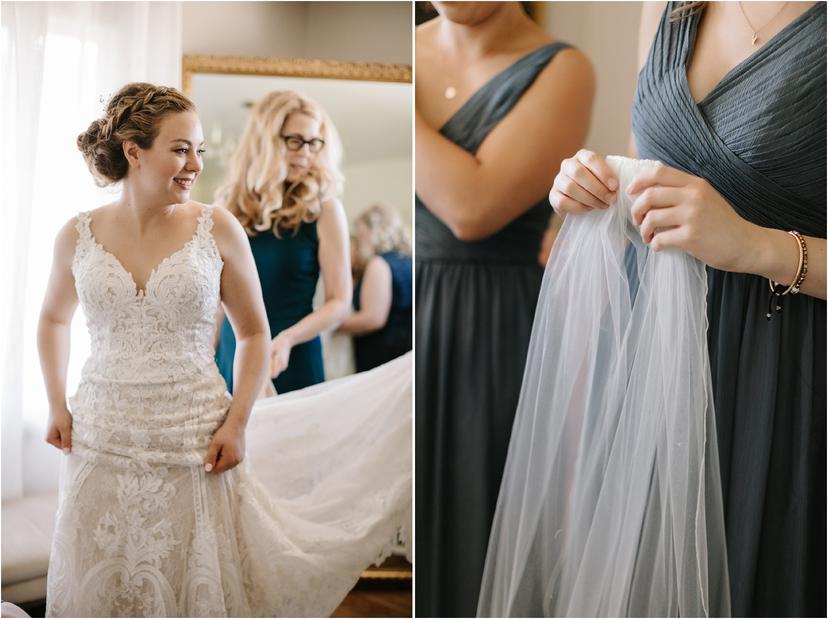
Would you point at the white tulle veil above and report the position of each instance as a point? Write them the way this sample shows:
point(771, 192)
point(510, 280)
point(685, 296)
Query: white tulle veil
point(611, 503)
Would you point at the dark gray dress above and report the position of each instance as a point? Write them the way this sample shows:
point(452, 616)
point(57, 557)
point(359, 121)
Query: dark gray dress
point(759, 139)
point(475, 305)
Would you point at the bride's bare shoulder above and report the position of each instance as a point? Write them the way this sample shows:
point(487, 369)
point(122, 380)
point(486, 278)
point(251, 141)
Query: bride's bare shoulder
point(67, 236)
point(228, 232)
point(66, 240)
point(223, 220)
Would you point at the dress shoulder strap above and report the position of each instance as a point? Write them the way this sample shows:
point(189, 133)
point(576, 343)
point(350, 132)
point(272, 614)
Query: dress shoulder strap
point(205, 222)
point(85, 240)
point(83, 225)
point(204, 234)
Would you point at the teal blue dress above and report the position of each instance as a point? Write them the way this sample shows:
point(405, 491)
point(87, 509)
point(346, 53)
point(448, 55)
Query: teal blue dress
point(288, 272)
point(394, 338)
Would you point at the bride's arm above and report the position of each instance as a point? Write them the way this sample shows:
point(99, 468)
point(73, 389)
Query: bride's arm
point(241, 295)
point(477, 195)
point(53, 330)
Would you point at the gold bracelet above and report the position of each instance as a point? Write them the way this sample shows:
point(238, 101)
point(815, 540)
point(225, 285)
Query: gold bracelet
point(778, 290)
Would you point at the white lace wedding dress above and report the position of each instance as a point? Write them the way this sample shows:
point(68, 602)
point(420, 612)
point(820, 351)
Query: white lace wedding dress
point(142, 530)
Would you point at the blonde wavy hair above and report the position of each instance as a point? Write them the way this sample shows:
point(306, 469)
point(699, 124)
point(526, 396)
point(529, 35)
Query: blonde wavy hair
point(257, 192)
point(133, 113)
point(386, 232)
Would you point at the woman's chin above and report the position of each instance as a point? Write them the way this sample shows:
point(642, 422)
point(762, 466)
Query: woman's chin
point(180, 196)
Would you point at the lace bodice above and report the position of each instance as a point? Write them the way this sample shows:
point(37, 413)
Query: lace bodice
point(151, 351)
point(167, 329)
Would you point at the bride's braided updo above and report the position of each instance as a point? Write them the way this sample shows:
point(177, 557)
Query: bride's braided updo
point(133, 113)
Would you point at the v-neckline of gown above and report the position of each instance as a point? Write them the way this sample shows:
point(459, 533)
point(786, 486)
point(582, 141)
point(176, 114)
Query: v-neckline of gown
point(727, 77)
point(141, 293)
point(489, 81)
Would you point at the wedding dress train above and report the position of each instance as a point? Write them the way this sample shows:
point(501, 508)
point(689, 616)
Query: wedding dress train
point(142, 530)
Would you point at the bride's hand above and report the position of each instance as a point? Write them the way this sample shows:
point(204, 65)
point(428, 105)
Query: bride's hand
point(226, 449)
point(584, 183)
point(59, 432)
point(676, 209)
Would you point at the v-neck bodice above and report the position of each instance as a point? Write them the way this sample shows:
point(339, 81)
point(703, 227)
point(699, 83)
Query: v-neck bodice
point(759, 136)
point(165, 331)
point(202, 232)
point(786, 36)
point(468, 127)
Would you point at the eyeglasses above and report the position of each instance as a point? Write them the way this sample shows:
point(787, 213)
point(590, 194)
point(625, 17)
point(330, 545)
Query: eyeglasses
point(296, 142)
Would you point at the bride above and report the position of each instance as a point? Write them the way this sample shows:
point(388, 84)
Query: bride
point(158, 512)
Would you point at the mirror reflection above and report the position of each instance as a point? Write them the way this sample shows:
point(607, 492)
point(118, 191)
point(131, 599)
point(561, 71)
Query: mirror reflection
point(333, 323)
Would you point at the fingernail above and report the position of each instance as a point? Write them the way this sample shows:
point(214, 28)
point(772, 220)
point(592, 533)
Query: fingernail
point(208, 467)
point(609, 198)
point(628, 189)
point(612, 184)
point(67, 451)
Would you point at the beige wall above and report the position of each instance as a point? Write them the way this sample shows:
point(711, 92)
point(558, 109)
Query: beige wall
point(243, 28)
point(359, 31)
point(365, 31)
point(607, 32)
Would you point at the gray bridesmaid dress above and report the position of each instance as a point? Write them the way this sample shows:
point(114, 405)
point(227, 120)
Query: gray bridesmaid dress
point(474, 310)
point(759, 138)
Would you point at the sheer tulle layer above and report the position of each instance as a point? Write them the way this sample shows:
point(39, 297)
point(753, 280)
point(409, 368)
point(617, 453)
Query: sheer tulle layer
point(611, 500)
point(325, 492)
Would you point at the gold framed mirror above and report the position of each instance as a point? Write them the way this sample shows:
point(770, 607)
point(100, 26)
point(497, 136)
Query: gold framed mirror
point(291, 67)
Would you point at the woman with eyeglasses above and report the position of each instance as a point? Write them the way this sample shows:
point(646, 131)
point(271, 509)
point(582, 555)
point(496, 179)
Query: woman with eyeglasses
point(284, 188)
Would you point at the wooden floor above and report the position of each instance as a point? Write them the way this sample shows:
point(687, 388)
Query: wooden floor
point(360, 603)
point(383, 591)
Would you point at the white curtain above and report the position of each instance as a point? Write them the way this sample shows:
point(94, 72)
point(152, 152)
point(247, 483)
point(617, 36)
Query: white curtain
point(61, 62)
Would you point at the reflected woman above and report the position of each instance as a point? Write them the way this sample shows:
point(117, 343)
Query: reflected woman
point(381, 322)
point(499, 104)
point(284, 188)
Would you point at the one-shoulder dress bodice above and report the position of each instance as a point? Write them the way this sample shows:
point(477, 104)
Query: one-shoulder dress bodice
point(474, 310)
point(519, 241)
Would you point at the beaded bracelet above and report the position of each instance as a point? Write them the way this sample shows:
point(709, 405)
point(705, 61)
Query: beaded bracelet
point(778, 290)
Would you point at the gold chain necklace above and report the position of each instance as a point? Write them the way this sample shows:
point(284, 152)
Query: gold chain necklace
point(757, 30)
